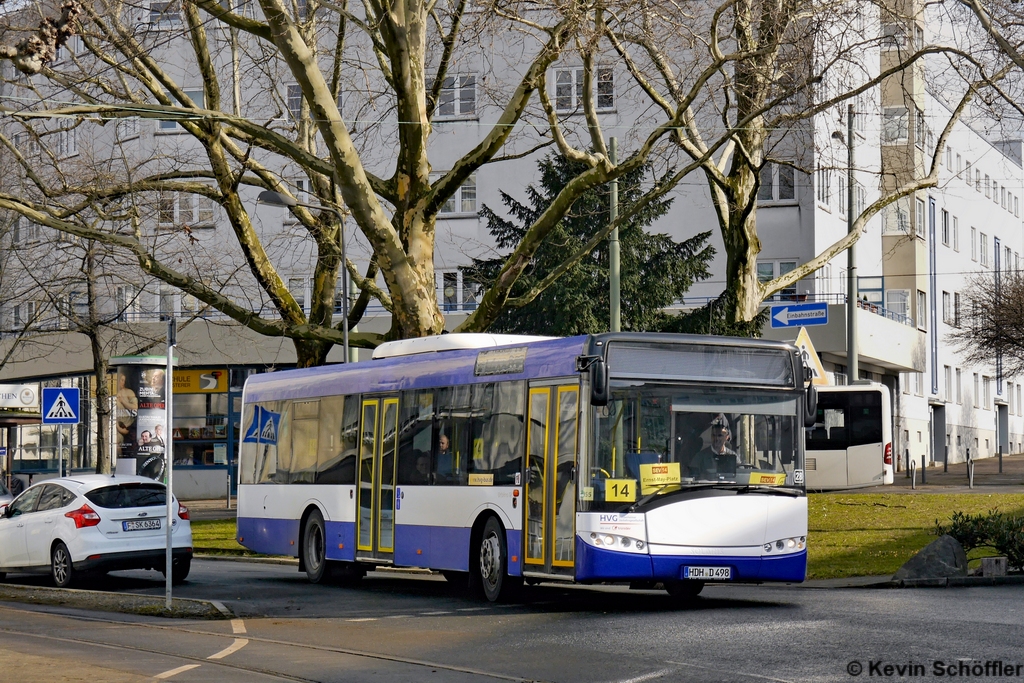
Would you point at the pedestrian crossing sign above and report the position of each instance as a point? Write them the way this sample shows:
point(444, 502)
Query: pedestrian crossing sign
point(60, 406)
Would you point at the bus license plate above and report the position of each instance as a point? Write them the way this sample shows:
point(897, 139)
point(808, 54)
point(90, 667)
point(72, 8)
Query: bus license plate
point(708, 573)
point(141, 525)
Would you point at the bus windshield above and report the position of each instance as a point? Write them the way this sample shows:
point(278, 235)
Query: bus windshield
point(655, 439)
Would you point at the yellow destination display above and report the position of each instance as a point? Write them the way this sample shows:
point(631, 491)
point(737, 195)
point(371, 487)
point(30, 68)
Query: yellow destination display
point(481, 480)
point(656, 475)
point(620, 490)
point(767, 479)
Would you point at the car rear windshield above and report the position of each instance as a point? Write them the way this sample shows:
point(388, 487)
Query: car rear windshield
point(128, 496)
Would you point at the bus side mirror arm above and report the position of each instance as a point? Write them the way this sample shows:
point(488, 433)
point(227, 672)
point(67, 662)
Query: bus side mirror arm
point(598, 370)
point(810, 399)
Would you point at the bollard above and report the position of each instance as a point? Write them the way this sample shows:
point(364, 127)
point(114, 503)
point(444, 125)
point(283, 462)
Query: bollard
point(912, 473)
point(909, 462)
point(924, 467)
point(945, 461)
point(970, 473)
point(229, 488)
point(1001, 447)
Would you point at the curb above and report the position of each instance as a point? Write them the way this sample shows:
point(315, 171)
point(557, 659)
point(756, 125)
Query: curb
point(108, 601)
point(958, 582)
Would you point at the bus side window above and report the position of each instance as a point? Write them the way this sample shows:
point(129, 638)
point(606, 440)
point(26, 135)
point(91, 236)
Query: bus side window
point(277, 469)
point(502, 434)
point(339, 425)
point(453, 448)
point(416, 427)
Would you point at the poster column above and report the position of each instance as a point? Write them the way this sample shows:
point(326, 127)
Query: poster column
point(140, 406)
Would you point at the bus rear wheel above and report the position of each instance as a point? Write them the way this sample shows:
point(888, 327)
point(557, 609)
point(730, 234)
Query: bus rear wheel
point(492, 558)
point(314, 547)
point(684, 590)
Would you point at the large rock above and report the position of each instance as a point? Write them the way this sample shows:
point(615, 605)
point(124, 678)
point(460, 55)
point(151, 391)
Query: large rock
point(941, 559)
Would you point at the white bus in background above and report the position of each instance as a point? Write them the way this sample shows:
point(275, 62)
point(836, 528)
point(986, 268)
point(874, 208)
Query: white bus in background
point(850, 445)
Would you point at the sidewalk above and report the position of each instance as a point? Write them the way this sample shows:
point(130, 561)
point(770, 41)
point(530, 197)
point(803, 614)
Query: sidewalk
point(987, 478)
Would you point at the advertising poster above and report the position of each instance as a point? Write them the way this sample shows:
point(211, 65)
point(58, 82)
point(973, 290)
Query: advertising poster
point(142, 417)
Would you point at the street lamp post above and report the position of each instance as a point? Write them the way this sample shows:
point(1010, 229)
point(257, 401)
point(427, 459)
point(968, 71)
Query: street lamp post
point(272, 198)
point(852, 361)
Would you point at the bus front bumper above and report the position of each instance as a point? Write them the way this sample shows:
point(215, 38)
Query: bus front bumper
point(598, 564)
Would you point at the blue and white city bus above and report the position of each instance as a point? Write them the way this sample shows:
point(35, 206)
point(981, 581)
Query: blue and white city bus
point(611, 458)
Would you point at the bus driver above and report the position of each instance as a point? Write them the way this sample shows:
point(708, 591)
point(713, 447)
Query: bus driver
point(717, 458)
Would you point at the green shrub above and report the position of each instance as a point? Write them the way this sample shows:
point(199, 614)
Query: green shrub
point(1001, 532)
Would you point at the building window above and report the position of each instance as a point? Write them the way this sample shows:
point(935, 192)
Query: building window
point(842, 194)
point(920, 218)
point(948, 376)
point(24, 313)
point(974, 244)
point(922, 310)
point(769, 270)
point(898, 301)
point(164, 14)
point(824, 186)
point(165, 302)
point(126, 298)
point(66, 143)
point(182, 208)
point(777, 183)
point(987, 384)
point(1020, 407)
point(895, 122)
point(988, 190)
point(947, 308)
point(294, 101)
point(463, 201)
point(127, 129)
point(983, 247)
point(959, 387)
point(977, 390)
point(956, 234)
point(861, 199)
point(297, 288)
point(945, 227)
point(949, 158)
point(919, 383)
point(956, 309)
point(569, 89)
point(977, 180)
point(458, 96)
point(967, 174)
point(196, 96)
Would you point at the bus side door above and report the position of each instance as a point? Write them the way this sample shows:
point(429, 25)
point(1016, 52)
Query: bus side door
point(550, 509)
point(378, 450)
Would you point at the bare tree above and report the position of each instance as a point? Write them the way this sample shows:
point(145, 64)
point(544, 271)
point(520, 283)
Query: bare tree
point(717, 89)
point(990, 324)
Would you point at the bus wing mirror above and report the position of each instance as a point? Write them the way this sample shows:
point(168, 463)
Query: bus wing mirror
point(599, 383)
point(810, 405)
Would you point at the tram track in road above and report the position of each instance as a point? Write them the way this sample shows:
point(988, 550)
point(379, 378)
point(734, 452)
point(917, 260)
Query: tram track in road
point(218, 659)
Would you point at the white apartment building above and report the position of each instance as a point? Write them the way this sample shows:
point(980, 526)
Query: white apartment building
point(913, 259)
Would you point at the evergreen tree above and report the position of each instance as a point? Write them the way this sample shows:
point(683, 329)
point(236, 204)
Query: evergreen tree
point(656, 271)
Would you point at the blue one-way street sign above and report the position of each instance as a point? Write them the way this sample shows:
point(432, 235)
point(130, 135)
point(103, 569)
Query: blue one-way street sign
point(800, 315)
point(60, 406)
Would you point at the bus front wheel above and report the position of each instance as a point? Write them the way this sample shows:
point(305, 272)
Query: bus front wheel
point(492, 559)
point(684, 590)
point(314, 548)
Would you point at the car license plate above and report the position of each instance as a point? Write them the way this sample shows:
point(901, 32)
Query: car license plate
point(708, 573)
point(141, 524)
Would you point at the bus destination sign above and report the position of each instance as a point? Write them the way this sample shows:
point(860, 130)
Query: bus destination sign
point(500, 362)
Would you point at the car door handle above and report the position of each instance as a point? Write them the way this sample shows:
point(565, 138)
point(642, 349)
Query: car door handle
point(48, 521)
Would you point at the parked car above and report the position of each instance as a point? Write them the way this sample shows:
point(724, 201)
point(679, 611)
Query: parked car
point(5, 494)
point(93, 524)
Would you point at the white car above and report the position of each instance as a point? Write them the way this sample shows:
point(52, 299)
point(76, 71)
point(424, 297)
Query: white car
point(94, 523)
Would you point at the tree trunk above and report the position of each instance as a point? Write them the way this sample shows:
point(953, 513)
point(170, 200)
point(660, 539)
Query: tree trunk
point(311, 353)
point(742, 247)
point(102, 404)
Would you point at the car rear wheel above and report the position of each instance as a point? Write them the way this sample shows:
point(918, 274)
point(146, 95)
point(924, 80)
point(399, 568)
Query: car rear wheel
point(180, 569)
point(61, 568)
point(314, 547)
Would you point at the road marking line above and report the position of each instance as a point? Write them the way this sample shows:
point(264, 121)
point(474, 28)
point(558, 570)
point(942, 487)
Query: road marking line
point(363, 619)
point(234, 647)
point(646, 677)
point(733, 673)
point(471, 609)
point(399, 616)
point(237, 626)
point(174, 672)
point(434, 614)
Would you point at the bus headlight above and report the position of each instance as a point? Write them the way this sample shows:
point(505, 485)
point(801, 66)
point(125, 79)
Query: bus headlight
point(786, 545)
point(614, 541)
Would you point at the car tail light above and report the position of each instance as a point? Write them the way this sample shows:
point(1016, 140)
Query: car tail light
point(182, 511)
point(887, 459)
point(83, 516)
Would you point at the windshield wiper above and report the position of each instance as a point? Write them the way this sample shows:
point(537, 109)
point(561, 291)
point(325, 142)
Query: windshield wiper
point(770, 490)
point(650, 496)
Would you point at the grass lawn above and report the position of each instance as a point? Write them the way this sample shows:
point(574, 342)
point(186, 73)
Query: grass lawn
point(874, 534)
point(849, 534)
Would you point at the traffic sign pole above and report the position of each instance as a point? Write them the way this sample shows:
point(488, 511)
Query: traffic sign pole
point(172, 329)
point(60, 450)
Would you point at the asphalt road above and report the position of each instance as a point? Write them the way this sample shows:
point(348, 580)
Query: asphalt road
point(392, 628)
